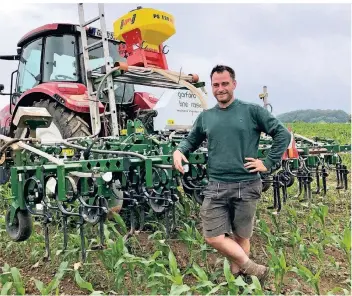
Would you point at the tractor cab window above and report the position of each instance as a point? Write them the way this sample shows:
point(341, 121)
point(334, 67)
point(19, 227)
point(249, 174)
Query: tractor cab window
point(124, 93)
point(60, 61)
point(29, 66)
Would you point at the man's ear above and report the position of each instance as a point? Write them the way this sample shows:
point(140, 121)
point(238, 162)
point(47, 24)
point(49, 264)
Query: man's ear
point(234, 84)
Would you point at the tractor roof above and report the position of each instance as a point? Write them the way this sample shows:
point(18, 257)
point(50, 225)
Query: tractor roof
point(46, 30)
point(60, 28)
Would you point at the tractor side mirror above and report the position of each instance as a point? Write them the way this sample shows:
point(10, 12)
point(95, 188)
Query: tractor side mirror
point(1, 87)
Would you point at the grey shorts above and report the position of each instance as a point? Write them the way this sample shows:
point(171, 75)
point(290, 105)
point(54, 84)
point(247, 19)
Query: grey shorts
point(230, 208)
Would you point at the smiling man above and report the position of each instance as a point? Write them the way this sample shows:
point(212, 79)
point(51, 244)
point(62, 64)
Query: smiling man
point(232, 129)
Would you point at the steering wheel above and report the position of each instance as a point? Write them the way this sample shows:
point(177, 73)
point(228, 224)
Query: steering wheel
point(64, 77)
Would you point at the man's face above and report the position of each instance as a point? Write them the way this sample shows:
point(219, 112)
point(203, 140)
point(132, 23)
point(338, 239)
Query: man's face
point(223, 86)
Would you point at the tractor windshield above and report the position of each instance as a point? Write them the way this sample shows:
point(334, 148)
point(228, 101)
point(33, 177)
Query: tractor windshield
point(60, 59)
point(123, 92)
point(29, 66)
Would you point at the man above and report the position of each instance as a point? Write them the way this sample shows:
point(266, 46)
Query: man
point(233, 129)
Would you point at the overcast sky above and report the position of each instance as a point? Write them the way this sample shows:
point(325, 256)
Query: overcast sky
point(302, 52)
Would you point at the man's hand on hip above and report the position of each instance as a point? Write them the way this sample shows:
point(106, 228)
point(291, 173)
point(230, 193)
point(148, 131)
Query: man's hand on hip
point(255, 164)
point(178, 157)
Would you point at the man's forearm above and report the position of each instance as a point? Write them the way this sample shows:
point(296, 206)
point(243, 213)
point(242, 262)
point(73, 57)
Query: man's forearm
point(185, 146)
point(195, 137)
point(281, 140)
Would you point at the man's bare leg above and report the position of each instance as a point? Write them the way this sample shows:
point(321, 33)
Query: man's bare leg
point(229, 248)
point(232, 250)
point(245, 245)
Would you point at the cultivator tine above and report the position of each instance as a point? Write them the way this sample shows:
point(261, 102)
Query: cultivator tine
point(174, 215)
point(324, 174)
point(305, 189)
point(101, 223)
point(299, 177)
point(47, 219)
point(345, 173)
point(141, 217)
point(317, 179)
point(339, 176)
point(132, 210)
point(81, 233)
point(64, 228)
point(169, 204)
point(167, 222)
point(284, 192)
point(132, 206)
point(309, 186)
point(342, 172)
point(277, 198)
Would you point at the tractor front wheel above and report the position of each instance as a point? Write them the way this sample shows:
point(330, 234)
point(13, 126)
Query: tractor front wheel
point(21, 227)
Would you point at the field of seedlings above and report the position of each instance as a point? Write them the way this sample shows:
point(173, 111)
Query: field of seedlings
point(306, 245)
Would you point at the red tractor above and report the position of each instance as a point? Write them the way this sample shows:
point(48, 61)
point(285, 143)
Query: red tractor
point(51, 74)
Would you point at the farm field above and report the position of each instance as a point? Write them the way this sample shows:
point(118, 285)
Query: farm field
point(307, 246)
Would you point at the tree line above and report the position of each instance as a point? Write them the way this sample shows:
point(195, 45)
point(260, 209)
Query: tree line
point(316, 115)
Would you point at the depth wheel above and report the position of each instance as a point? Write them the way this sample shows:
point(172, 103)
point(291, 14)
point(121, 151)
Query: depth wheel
point(21, 228)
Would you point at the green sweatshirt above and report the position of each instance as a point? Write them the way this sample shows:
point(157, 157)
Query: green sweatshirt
point(233, 134)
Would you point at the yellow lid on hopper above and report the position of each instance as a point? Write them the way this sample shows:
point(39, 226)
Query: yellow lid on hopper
point(156, 26)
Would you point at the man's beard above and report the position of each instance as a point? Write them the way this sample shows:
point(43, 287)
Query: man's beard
point(225, 97)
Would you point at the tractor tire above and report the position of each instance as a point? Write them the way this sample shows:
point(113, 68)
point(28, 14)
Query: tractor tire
point(21, 228)
point(68, 123)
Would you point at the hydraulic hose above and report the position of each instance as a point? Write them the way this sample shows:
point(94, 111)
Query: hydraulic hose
point(34, 150)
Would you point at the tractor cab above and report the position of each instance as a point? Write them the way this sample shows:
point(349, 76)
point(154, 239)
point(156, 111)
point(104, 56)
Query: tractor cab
point(53, 53)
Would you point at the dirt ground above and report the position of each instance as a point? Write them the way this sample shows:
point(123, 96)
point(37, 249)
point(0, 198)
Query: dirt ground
point(45, 271)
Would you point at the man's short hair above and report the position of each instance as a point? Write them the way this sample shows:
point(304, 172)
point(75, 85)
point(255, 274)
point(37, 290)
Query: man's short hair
point(221, 69)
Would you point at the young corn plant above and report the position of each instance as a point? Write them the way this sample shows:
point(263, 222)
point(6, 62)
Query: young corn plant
point(11, 279)
point(316, 249)
point(204, 285)
point(295, 240)
point(292, 218)
point(310, 225)
point(278, 264)
point(187, 235)
point(308, 276)
point(272, 240)
point(305, 255)
point(344, 242)
point(152, 266)
point(174, 277)
point(132, 267)
point(233, 285)
point(321, 213)
point(54, 283)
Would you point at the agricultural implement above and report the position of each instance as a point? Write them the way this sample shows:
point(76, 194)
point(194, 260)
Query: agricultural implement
point(306, 160)
point(79, 142)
